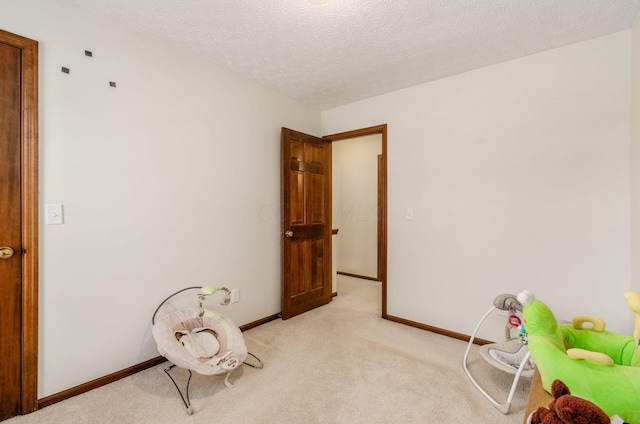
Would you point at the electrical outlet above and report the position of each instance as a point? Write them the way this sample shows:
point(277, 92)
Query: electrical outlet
point(235, 295)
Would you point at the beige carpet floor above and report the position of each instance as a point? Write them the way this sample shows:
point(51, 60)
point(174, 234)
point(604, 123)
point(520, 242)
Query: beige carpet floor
point(340, 363)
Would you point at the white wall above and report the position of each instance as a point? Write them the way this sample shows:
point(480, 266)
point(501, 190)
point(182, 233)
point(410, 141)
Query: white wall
point(518, 175)
point(635, 159)
point(355, 204)
point(635, 156)
point(169, 180)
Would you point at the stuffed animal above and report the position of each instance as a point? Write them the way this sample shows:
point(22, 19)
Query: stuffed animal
point(598, 365)
point(568, 409)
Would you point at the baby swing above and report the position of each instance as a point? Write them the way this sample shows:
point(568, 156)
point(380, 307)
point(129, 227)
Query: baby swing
point(511, 356)
point(199, 340)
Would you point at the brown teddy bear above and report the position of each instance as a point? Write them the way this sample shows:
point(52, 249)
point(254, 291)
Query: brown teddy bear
point(568, 409)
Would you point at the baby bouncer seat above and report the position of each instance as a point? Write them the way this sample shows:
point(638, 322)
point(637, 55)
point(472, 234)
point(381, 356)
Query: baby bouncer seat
point(200, 340)
point(511, 356)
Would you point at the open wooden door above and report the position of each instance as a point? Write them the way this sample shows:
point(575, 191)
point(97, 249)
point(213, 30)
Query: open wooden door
point(306, 222)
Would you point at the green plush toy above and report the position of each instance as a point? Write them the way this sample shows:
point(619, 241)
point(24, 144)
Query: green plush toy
point(598, 365)
point(633, 300)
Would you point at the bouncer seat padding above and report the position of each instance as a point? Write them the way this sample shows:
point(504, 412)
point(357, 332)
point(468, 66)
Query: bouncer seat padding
point(508, 356)
point(199, 344)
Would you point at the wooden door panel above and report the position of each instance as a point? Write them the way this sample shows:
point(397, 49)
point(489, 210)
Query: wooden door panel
point(297, 272)
point(316, 206)
point(311, 284)
point(317, 273)
point(316, 193)
point(309, 272)
point(297, 198)
point(306, 222)
point(10, 231)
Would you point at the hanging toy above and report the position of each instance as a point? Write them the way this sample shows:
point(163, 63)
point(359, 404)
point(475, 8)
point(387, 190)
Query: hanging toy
point(522, 333)
point(514, 321)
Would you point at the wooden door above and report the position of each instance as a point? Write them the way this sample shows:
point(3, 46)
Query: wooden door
point(306, 222)
point(18, 225)
point(10, 234)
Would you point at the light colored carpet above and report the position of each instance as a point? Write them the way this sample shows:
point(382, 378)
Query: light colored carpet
point(341, 363)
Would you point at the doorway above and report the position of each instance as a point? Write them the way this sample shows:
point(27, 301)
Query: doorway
point(18, 223)
point(381, 248)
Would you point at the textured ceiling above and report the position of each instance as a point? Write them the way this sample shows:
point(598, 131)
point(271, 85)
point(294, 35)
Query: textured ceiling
point(327, 53)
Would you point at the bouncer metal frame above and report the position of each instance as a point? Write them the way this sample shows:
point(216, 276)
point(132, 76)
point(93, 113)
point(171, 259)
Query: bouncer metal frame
point(185, 396)
point(505, 304)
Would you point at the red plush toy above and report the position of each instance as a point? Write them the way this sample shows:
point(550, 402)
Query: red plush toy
point(568, 409)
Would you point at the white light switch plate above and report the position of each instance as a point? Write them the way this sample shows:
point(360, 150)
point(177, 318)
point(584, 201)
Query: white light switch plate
point(53, 214)
point(409, 214)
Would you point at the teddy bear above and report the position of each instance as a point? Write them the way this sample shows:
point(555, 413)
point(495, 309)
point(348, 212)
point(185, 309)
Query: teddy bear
point(568, 409)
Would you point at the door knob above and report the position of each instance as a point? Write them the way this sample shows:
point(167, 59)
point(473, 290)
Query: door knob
point(288, 234)
point(6, 252)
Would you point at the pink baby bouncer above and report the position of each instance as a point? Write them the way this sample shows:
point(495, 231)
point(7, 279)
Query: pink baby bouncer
point(200, 340)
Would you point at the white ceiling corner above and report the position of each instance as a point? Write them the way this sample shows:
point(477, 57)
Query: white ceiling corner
point(331, 54)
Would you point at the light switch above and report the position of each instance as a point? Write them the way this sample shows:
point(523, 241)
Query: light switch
point(54, 214)
point(409, 214)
